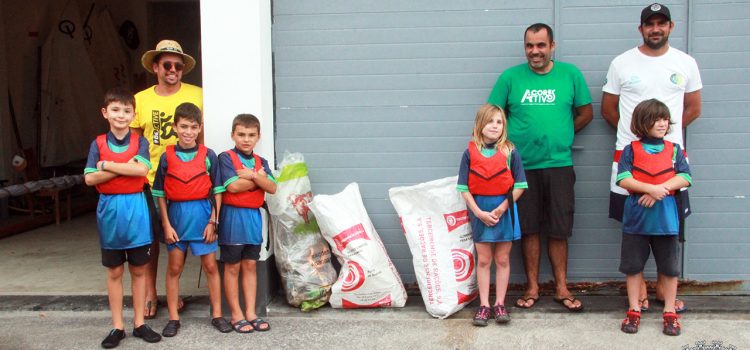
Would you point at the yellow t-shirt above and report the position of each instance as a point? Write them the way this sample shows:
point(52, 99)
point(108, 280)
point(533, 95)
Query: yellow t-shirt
point(154, 114)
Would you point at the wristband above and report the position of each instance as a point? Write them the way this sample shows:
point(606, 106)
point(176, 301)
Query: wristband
point(212, 221)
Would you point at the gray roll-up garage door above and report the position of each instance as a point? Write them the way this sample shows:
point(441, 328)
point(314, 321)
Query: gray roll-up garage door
point(384, 94)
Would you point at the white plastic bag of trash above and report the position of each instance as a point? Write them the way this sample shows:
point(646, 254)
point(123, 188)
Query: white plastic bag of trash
point(368, 278)
point(303, 257)
point(436, 224)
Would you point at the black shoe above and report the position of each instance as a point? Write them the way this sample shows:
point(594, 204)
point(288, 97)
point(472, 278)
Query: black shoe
point(113, 339)
point(148, 334)
point(170, 330)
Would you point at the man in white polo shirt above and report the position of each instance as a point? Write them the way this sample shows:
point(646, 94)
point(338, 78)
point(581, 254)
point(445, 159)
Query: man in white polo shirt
point(651, 70)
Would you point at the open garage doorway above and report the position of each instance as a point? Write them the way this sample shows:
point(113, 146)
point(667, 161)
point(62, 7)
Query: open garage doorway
point(56, 60)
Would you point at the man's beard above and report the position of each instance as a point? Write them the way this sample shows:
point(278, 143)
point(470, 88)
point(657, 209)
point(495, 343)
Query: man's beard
point(657, 45)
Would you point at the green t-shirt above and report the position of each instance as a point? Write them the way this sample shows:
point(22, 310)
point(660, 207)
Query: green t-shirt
point(540, 110)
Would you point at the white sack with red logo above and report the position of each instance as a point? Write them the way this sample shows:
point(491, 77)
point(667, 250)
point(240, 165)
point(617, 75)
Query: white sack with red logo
point(436, 224)
point(368, 278)
point(303, 257)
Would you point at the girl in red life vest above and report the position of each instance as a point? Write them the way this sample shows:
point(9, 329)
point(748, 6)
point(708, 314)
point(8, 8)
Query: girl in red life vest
point(651, 169)
point(491, 179)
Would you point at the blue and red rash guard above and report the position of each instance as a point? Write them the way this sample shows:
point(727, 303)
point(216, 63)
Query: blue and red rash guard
point(656, 168)
point(488, 176)
point(246, 199)
point(187, 181)
point(120, 184)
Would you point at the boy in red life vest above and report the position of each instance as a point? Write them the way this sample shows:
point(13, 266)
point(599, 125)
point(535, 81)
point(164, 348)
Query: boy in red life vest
point(117, 165)
point(651, 169)
point(247, 178)
point(187, 188)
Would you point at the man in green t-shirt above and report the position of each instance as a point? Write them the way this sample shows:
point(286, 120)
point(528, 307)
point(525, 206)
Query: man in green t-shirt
point(546, 102)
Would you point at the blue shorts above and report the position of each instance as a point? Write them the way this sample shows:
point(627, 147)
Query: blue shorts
point(199, 248)
point(240, 225)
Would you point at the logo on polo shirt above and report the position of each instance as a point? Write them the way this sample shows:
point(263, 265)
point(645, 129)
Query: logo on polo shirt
point(677, 79)
point(538, 97)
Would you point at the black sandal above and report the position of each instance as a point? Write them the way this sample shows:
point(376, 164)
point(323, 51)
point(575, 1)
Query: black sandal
point(222, 325)
point(572, 301)
point(256, 323)
point(239, 325)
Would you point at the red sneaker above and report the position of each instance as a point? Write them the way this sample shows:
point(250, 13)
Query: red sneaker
point(671, 323)
point(631, 322)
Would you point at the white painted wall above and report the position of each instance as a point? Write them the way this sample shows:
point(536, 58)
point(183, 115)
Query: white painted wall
point(237, 70)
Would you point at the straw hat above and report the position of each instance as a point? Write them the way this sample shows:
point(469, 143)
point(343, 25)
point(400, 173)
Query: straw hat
point(167, 46)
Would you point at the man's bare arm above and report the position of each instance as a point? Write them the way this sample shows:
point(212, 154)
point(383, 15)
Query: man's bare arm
point(611, 109)
point(584, 115)
point(691, 107)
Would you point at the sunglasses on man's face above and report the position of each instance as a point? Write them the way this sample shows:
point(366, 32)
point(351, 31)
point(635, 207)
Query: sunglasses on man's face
point(177, 65)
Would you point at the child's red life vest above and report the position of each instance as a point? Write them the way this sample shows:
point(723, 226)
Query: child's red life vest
point(488, 176)
point(187, 181)
point(655, 168)
point(120, 184)
point(247, 199)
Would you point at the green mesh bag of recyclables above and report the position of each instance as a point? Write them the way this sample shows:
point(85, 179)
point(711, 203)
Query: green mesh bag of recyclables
point(303, 257)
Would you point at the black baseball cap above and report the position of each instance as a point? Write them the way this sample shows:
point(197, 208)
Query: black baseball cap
point(655, 9)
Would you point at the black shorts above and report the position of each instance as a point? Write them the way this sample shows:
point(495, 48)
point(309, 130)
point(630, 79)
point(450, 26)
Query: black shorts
point(134, 256)
point(234, 253)
point(636, 250)
point(616, 205)
point(547, 206)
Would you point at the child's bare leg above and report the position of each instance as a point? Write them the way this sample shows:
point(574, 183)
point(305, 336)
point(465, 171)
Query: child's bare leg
point(249, 287)
point(114, 291)
point(643, 295)
point(669, 288)
point(138, 288)
point(502, 270)
point(208, 263)
point(484, 261)
point(174, 270)
point(151, 273)
point(231, 290)
point(634, 285)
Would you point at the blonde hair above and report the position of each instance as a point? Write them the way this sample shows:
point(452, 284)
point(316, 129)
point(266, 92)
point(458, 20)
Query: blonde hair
point(484, 117)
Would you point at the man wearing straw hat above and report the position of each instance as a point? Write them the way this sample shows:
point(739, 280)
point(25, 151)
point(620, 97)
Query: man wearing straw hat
point(154, 112)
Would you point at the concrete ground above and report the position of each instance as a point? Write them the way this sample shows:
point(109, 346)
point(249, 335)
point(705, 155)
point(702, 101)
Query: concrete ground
point(406, 328)
point(53, 296)
point(65, 259)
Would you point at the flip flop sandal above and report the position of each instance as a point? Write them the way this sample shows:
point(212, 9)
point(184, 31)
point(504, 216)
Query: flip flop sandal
point(221, 324)
point(526, 300)
point(676, 310)
point(256, 323)
point(643, 308)
point(572, 300)
point(183, 301)
point(152, 305)
point(239, 325)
